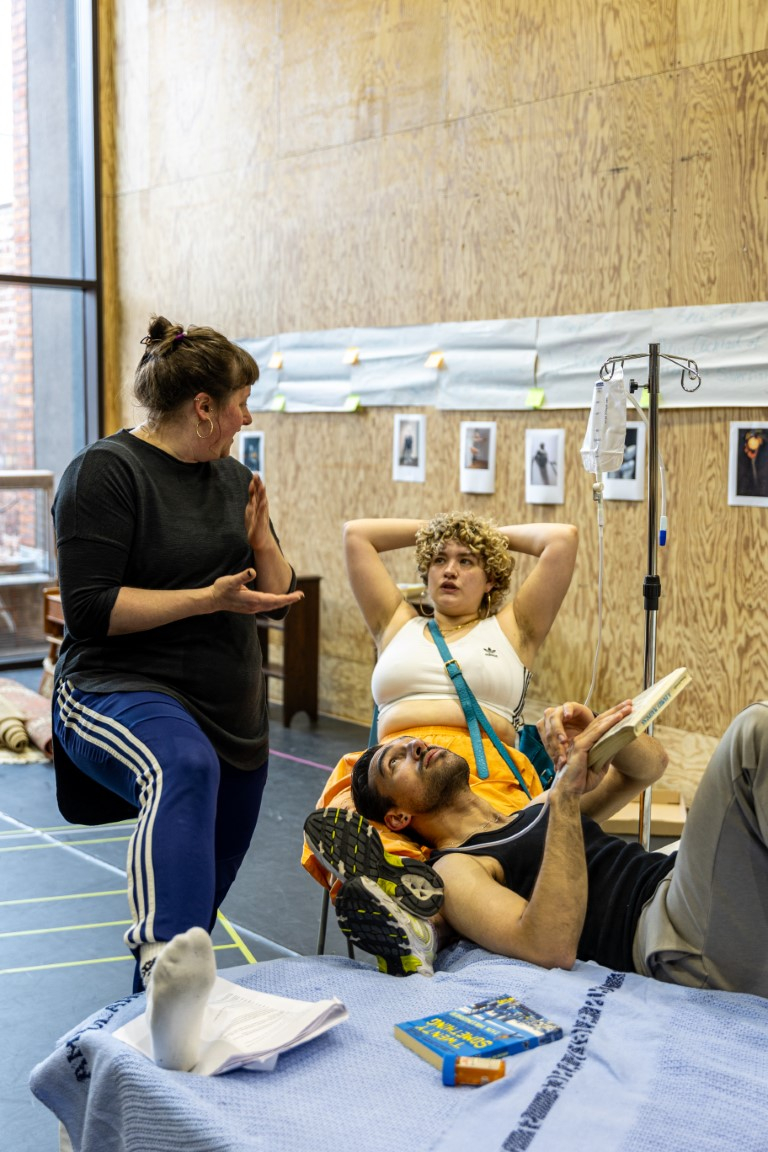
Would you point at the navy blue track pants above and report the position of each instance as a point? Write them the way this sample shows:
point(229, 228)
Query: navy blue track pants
point(197, 813)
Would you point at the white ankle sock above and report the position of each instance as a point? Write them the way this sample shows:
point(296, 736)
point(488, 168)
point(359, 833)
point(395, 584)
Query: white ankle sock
point(182, 977)
point(148, 954)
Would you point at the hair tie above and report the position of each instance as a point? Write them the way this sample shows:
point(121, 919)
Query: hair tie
point(180, 336)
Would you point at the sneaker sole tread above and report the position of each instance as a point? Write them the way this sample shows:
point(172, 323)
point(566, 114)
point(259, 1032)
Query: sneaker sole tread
point(349, 846)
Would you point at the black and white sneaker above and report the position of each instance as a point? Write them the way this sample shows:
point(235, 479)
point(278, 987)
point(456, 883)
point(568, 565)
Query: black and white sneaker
point(349, 847)
point(403, 944)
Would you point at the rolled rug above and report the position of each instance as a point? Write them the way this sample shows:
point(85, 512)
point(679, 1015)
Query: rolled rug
point(13, 734)
point(39, 733)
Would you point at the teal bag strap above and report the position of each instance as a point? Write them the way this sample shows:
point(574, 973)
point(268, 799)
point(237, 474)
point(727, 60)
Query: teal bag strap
point(468, 702)
point(473, 713)
point(374, 726)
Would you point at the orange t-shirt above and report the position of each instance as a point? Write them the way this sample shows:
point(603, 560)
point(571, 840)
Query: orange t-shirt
point(501, 789)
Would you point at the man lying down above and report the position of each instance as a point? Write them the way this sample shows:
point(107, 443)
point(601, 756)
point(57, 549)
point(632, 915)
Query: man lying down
point(546, 884)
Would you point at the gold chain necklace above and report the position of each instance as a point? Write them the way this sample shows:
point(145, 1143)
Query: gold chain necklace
point(457, 627)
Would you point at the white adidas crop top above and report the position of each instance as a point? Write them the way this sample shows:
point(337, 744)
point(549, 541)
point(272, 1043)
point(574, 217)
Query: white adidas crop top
point(410, 668)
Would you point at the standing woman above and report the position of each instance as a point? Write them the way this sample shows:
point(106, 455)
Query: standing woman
point(166, 554)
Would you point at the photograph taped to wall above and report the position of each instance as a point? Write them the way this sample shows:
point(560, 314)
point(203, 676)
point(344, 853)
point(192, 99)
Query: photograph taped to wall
point(409, 448)
point(477, 456)
point(628, 481)
point(251, 451)
point(748, 465)
point(545, 466)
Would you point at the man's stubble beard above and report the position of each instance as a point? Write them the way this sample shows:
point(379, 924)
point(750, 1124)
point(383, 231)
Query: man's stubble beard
point(447, 782)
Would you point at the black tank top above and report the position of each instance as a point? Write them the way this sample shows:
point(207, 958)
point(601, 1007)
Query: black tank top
point(621, 877)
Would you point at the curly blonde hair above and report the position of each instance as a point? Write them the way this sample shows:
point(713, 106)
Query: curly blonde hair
point(481, 536)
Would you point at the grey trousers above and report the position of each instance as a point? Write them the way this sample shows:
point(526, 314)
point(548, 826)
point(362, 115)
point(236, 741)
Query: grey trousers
point(706, 925)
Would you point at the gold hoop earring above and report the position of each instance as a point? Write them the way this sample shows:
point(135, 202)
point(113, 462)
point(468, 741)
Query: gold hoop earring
point(420, 605)
point(197, 429)
point(487, 605)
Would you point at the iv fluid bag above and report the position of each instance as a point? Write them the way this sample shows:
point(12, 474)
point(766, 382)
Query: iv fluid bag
point(603, 447)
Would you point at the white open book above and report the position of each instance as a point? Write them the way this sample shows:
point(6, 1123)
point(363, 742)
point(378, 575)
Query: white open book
point(645, 708)
point(243, 1028)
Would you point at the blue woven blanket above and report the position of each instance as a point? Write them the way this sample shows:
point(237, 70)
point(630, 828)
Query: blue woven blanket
point(642, 1067)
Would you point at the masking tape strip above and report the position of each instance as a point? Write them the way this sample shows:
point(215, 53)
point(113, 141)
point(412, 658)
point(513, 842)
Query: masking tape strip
point(72, 828)
point(65, 896)
point(97, 960)
point(65, 843)
point(233, 934)
point(65, 928)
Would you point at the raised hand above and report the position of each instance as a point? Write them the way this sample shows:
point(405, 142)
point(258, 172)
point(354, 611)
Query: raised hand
point(232, 594)
point(558, 727)
point(574, 775)
point(257, 515)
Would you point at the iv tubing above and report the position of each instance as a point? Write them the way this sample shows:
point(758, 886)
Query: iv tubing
point(598, 496)
point(662, 477)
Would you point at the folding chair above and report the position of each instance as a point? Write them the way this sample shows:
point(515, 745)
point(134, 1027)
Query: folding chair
point(324, 925)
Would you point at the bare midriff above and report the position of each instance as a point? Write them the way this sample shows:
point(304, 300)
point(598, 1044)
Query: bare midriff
point(440, 714)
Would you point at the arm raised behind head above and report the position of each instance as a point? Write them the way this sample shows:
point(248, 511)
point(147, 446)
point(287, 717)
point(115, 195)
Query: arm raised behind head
point(378, 597)
point(538, 599)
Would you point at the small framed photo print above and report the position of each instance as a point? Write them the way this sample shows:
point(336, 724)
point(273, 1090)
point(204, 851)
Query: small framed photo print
point(628, 481)
point(477, 456)
point(545, 465)
point(748, 465)
point(251, 448)
point(409, 449)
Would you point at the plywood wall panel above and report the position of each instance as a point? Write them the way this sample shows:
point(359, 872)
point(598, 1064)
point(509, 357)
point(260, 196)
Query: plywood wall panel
point(216, 107)
point(488, 192)
point(575, 192)
point(602, 199)
point(358, 70)
point(716, 31)
point(362, 239)
point(720, 237)
point(214, 269)
point(718, 583)
point(514, 52)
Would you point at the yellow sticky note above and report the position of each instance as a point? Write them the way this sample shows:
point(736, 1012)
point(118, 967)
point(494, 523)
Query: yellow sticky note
point(645, 398)
point(534, 398)
point(278, 404)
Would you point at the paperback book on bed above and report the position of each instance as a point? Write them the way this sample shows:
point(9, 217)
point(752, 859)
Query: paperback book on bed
point(244, 1028)
point(490, 1028)
point(646, 706)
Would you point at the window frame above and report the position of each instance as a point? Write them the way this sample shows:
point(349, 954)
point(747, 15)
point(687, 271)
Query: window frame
point(90, 284)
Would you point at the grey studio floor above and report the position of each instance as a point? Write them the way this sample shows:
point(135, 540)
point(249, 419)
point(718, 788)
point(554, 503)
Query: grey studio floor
point(64, 910)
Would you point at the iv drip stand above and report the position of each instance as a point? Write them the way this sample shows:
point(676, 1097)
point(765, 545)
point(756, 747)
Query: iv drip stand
point(652, 583)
